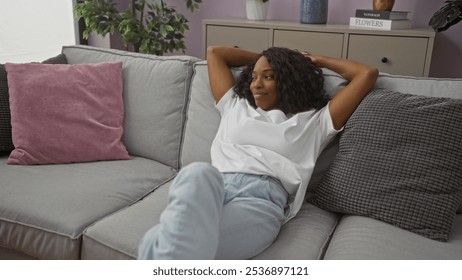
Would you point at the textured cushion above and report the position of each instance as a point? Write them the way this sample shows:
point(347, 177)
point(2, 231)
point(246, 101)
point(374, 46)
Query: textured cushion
point(399, 161)
point(426, 86)
point(59, 59)
point(66, 113)
point(6, 144)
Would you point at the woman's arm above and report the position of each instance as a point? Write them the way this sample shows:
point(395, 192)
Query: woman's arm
point(219, 59)
point(361, 79)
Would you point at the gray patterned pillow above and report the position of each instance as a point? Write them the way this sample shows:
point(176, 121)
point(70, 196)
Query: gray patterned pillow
point(399, 161)
point(6, 144)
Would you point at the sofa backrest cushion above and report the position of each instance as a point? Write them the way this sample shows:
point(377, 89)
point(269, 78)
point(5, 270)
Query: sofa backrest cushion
point(426, 86)
point(203, 119)
point(155, 91)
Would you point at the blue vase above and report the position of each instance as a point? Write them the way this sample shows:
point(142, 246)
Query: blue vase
point(313, 11)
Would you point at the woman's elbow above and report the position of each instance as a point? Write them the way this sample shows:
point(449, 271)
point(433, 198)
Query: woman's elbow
point(211, 49)
point(372, 74)
point(369, 77)
point(215, 50)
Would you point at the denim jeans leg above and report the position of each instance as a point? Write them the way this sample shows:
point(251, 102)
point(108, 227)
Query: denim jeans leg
point(251, 220)
point(189, 226)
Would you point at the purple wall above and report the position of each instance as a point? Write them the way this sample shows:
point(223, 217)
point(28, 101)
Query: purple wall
point(447, 53)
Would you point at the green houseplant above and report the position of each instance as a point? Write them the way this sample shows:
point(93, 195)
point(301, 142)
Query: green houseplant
point(146, 26)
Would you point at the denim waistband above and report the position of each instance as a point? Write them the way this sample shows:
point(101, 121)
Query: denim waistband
point(262, 176)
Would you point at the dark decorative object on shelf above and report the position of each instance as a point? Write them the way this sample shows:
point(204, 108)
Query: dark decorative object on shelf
point(447, 16)
point(146, 26)
point(313, 11)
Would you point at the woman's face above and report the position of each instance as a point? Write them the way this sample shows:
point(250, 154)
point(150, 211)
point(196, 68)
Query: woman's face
point(263, 85)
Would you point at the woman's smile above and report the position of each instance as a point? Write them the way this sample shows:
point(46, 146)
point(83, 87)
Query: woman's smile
point(259, 94)
point(263, 85)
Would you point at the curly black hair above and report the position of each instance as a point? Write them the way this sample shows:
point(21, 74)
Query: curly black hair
point(300, 83)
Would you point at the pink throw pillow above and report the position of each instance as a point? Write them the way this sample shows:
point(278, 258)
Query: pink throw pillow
point(66, 113)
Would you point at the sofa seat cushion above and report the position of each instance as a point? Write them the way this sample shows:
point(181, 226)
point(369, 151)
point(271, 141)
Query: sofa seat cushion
point(305, 237)
point(117, 236)
point(362, 238)
point(44, 209)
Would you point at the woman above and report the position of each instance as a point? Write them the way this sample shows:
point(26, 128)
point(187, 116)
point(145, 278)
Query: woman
point(276, 119)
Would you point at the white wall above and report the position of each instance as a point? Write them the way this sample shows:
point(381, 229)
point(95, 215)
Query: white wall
point(34, 30)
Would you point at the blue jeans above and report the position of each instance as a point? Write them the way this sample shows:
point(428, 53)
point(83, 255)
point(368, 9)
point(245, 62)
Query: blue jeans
point(211, 215)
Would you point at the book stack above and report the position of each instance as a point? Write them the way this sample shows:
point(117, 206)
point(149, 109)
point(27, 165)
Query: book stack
point(384, 20)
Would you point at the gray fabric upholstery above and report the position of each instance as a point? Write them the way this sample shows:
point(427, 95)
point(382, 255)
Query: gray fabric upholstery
point(399, 161)
point(117, 236)
point(333, 82)
point(46, 208)
point(361, 238)
point(155, 92)
point(305, 237)
point(431, 87)
point(202, 119)
point(9, 254)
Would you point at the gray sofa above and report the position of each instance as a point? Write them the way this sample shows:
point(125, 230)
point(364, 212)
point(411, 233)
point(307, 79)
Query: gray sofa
point(101, 210)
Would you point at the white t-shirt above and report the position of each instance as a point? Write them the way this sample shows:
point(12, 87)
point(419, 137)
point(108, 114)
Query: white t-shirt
point(268, 143)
